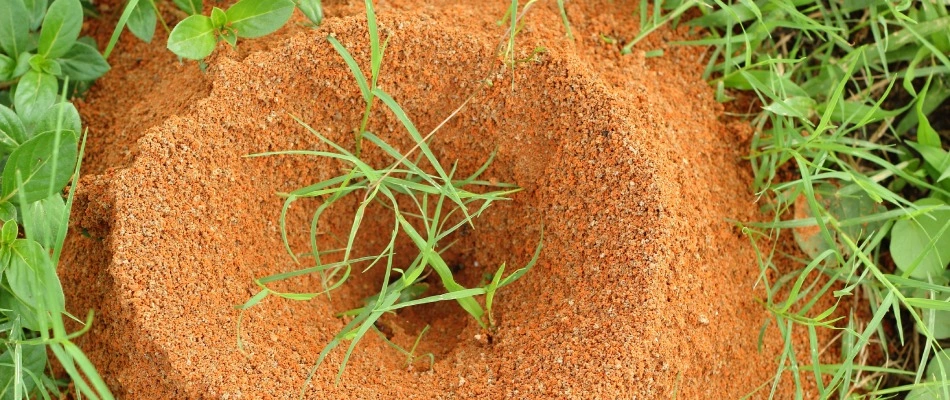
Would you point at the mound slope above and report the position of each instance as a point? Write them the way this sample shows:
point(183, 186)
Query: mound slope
point(643, 287)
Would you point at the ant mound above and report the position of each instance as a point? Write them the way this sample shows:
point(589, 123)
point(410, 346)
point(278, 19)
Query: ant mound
point(643, 288)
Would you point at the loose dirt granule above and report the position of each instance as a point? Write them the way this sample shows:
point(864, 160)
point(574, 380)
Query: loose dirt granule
point(643, 288)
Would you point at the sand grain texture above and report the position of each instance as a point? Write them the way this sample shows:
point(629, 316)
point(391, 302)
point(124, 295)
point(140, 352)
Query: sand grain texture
point(643, 287)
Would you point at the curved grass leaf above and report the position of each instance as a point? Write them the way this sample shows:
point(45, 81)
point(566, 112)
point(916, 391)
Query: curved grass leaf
point(256, 18)
point(354, 68)
point(60, 28)
point(45, 164)
point(123, 22)
point(22, 371)
point(193, 38)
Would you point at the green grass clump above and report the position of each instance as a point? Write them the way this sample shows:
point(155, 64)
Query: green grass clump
point(847, 92)
point(424, 200)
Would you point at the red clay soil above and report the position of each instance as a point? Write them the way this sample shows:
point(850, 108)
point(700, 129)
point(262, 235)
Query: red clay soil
point(643, 288)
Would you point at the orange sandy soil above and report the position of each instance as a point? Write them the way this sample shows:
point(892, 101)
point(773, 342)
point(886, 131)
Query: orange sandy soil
point(643, 288)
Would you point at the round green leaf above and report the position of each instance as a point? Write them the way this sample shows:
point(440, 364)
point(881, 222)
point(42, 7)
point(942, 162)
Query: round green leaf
point(40, 64)
point(44, 167)
point(14, 27)
point(193, 38)
point(218, 18)
point(256, 18)
point(910, 238)
point(83, 63)
point(43, 220)
point(35, 93)
point(32, 276)
point(12, 132)
point(37, 10)
point(51, 119)
point(7, 65)
point(229, 36)
point(7, 211)
point(941, 327)
point(142, 21)
point(190, 6)
point(924, 393)
point(939, 366)
point(60, 28)
point(22, 64)
point(312, 9)
point(9, 232)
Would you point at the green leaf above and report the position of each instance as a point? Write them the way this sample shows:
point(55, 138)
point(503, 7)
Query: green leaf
point(51, 119)
point(193, 38)
point(229, 36)
point(142, 21)
point(44, 168)
point(12, 132)
point(256, 18)
point(936, 157)
point(13, 308)
point(14, 27)
point(793, 106)
point(42, 220)
point(22, 64)
point(939, 366)
point(855, 112)
point(312, 9)
point(120, 26)
point(842, 203)
point(9, 232)
point(60, 28)
point(941, 321)
point(37, 10)
point(35, 93)
point(191, 7)
point(218, 18)
point(7, 66)
point(7, 212)
point(917, 238)
point(31, 273)
point(83, 63)
point(39, 63)
point(33, 358)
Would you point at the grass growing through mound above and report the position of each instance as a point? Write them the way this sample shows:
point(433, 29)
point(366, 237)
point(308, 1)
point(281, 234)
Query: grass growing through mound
point(847, 92)
point(425, 202)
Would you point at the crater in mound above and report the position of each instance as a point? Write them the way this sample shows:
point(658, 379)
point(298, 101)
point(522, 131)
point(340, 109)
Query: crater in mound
point(643, 288)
